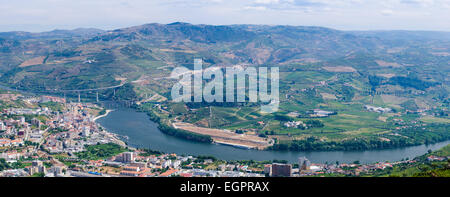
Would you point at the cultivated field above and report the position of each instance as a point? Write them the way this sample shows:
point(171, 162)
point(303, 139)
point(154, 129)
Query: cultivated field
point(33, 61)
point(343, 69)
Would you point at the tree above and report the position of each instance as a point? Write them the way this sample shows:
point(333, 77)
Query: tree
point(41, 174)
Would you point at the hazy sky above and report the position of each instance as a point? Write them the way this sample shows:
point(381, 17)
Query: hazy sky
point(44, 15)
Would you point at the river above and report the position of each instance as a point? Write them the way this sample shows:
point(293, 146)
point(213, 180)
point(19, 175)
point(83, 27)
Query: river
point(143, 133)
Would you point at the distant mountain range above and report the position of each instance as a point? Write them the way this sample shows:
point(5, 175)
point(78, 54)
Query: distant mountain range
point(79, 32)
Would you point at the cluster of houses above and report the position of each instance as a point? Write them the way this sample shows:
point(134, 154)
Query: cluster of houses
point(294, 124)
point(135, 165)
point(437, 158)
point(15, 131)
point(45, 99)
point(73, 125)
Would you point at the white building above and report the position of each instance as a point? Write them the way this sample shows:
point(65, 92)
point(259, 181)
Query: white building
point(86, 131)
point(294, 124)
point(303, 163)
point(2, 126)
point(176, 164)
point(167, 163)
point(377, 109)
point(128, 157)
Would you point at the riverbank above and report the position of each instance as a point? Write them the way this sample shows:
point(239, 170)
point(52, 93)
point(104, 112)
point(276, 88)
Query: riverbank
point(144, 133)
point(103, 115)
point(114, 136)
point(422, 134)
point(227, 137)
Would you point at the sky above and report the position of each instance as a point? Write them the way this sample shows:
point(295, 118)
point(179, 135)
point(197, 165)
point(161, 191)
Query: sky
point(46, 15)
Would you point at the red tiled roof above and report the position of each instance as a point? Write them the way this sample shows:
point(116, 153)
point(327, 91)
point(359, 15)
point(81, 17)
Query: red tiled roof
point(168, 173)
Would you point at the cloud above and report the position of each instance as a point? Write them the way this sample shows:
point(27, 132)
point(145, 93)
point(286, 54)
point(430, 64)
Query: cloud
point(267, 1)
point(259, 8)
point(418, 2)
point(110, 14)
point(286, 5)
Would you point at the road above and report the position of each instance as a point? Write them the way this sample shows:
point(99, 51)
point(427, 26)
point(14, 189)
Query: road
point(93, 89)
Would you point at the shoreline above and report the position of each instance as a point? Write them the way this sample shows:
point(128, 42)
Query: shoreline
point(103, 115)
point(112, 134)
point(233, 144)
point(225, 137)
